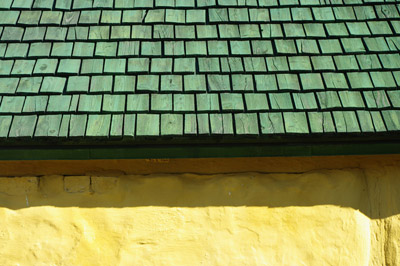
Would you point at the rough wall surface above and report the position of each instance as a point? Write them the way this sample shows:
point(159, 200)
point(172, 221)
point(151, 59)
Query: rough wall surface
point(324, 217)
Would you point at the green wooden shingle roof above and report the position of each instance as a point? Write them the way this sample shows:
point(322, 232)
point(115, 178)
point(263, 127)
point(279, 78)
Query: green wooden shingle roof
point(77, 70)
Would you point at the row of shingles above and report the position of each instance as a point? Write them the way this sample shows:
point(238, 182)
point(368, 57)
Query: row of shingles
point(202, 32)
point(192, 46)
point(274, 64)
point(63, 126)
point(71, 4)
point(93, 18)
point(268, 123)
point(198, 48)
point(88, 4)
point(195, 46)
point(284, 46)
point(221, 64)
point(177, 48)
point(292, 69)
point(101, 17)
point(197, 83)
point(243, 98)
point(200, 16)
point(146, 125)
point(294, 74)
point(303, 14)
point(309, 81)
point(164, 125)
point(217, 48)
point(252, 52)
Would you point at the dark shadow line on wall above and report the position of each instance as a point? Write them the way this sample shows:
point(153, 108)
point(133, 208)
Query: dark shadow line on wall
point(374, 193)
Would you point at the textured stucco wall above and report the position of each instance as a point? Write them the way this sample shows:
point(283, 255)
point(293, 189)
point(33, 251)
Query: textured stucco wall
point(322, 217)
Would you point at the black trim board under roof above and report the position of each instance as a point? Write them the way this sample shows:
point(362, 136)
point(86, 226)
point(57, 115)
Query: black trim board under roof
point(201, 149)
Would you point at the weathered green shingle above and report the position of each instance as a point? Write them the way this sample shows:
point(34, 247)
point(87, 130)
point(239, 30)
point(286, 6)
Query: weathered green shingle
point(100, 84)
point(346, 122)
point(194, 83)
point(218, 83)
point(148, 83)
point(114, 103)
point(124, 84)
point(295, 122)
point(271, 123)
point(53, 85)
point(35, 104)
point(23, 126)
point(171, 124)
point(232, 102)
point(148, 125)
point(184, 103)
point(29, 85)
point(208, 102)
point(59, 103)
point(246, 124)
point(78, 84)
point(280, 101)
point(305, 101)
point(92, 66)
point(138, 103)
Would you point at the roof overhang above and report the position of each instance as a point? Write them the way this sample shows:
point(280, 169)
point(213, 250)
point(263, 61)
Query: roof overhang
point(199, 150)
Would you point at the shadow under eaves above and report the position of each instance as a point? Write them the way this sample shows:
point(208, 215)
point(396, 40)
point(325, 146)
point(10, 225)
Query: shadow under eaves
point(374, 192)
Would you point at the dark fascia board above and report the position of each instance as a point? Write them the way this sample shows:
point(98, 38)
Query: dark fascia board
point(197, 151)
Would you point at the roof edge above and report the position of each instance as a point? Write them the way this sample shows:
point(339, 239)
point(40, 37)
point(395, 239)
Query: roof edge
point(198, 151)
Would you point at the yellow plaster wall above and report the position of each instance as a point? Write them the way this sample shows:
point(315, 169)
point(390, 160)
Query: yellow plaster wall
point(345, 216)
